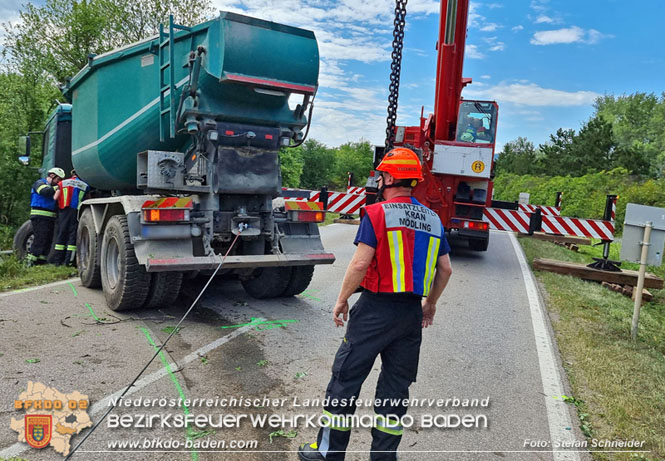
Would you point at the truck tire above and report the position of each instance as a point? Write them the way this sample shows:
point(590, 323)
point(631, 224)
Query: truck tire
point(267, 282)
point(164, 289)
point(87, 252)
point(301, 276)
point(124, 281)
point(23, 240)
point(479, 244)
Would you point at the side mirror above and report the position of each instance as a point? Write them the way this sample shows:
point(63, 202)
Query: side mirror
point(24, 149)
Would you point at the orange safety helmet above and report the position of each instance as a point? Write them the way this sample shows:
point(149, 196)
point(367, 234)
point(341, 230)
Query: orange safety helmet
point(402, 163)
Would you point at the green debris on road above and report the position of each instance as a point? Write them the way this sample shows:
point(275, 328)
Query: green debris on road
point(280, 433)
point(32, 361)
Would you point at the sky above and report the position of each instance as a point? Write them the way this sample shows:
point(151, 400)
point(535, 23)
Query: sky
point(543, 61)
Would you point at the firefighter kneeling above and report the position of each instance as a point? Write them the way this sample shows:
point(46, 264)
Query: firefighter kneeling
point(402, 263)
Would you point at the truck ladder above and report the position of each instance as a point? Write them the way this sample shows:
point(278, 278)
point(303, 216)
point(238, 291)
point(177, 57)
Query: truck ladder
point(167, 85)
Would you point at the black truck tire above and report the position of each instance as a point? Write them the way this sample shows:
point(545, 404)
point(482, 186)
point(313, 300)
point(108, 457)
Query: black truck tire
point(164, 289)
point(301, 276)
point(22, 240)
point(479, 244)
point(124, 281)
point(87, 251)
point(267, 282)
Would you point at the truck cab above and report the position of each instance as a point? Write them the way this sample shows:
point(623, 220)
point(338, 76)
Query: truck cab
point(56, 141)
point(56, 150)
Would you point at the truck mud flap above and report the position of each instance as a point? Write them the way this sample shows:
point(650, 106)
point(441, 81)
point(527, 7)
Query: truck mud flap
point(237, 262)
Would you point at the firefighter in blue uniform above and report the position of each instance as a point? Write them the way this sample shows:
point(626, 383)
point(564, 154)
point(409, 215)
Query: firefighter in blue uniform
point(402, 263)
point(42, 215)
point(70, 194)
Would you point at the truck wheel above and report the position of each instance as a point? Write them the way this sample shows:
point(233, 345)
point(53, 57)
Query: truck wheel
point(23, 240)
point(124, 281)
point(299, 281)
point(479, 244)
point(87, 252)
point(267, 282)
point(164, 289)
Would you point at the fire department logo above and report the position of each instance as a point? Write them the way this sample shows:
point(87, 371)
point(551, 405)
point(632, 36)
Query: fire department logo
point(38, 430)
point(478, 166)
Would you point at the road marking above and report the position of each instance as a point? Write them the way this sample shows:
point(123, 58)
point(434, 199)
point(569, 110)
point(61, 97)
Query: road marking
point(557, 410)
point(176, 384)
point(102, 405)
point(48, 285)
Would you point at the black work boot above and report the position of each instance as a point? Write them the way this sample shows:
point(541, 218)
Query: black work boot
point(309, 452)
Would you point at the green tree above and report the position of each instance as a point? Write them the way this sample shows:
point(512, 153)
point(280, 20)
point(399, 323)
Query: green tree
point(318, 165)
point(23, 108)
point(556, 156)
point(55, 40)
point(638, 124)
point(519, 157)
point(291, 164)
point(354, 157)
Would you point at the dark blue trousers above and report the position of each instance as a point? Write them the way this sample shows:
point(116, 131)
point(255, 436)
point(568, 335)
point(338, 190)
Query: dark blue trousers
point(389, 325)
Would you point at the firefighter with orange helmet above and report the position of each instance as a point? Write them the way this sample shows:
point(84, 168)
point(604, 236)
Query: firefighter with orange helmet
point(402, 264)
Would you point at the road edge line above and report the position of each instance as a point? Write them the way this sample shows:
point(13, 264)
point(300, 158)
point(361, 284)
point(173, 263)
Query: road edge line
point(101, 405)
point(38, 287)
point(558, 416)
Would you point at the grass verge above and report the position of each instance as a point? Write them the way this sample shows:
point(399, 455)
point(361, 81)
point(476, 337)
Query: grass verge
point(618, 384)
point(14, 274)
point(330, 218)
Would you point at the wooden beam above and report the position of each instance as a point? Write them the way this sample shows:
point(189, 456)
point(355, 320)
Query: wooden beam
point(559, 238)
point(625, 277)
point(346, 221)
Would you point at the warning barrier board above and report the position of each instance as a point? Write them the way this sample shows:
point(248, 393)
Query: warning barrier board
point(545, 210)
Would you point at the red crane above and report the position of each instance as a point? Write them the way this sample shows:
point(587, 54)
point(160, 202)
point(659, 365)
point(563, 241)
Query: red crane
point(456, 142)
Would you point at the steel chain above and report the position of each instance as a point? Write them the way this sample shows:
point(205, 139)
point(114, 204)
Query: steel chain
point(395, 69)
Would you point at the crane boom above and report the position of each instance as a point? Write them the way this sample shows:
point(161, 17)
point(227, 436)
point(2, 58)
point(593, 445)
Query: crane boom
point(449, 80)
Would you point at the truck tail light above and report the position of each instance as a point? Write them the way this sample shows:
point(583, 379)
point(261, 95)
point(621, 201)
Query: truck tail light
point(165, 215)
point(307, 216)
point(305, 211)
point(477, 225)
point(473, 225)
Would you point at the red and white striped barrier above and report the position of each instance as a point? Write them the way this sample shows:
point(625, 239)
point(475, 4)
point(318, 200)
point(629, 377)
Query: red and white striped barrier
point(338, 202)
point(355, 190)
point(545, 210)
point(518, 221)
point(507, 220)
point(561, 225)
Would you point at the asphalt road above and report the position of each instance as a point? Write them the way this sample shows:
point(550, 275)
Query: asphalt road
point(487, 343)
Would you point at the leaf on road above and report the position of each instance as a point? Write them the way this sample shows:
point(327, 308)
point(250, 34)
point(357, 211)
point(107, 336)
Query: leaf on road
point(32, 361)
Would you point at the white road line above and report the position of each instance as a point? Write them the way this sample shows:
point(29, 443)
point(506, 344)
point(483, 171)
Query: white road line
point(557, 410)
point(49, 285)
point(102, 405)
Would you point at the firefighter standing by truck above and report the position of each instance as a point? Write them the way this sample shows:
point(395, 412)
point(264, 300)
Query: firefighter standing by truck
point(42, 215)
point(71, 193)
point(403, 266)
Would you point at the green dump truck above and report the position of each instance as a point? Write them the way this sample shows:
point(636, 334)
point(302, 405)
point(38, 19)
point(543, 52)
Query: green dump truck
point(179, 135)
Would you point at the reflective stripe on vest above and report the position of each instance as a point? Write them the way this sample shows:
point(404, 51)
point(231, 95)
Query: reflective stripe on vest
point(408, 237)
point(73, 190)
point(396, 244)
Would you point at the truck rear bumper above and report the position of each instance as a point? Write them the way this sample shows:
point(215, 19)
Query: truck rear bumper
point(195, 263)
